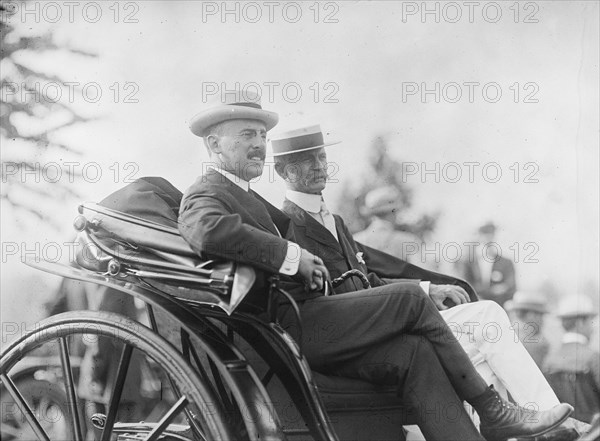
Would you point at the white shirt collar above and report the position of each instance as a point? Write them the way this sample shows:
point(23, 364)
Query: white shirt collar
point(308, 202)
point(244, 185)
point(574, 337)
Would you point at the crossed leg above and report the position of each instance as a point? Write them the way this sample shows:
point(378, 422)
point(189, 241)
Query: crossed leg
point(484, 331)
point(394, 335)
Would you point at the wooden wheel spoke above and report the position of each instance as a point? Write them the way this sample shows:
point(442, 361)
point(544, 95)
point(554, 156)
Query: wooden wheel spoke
point(188, 348)
point(166, 420)
point(115, 398)
point(220, 386)
point(189, 397)
point(65, 361)
point(29, 416)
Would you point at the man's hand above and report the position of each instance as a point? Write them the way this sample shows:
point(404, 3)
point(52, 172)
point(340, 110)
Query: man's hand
point(439, 293)
point(312, 270)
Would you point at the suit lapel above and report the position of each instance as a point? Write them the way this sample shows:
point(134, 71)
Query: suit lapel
point(311, 228)
point(321, 234)
point(349, 248)
point(275, 216)
point(248, 200)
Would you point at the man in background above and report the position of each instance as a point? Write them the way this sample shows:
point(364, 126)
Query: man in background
point(491, 274)
point(383, 205)
point(527, 312)
point(573, 369)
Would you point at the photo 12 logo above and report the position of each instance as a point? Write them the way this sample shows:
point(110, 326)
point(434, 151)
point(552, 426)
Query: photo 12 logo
point(271, 91)
point(454, 252)
point(70, 91)
point(471, 12)
point(470, 92)
point(270, 12)
point(68, 171)
point(470, 171)
point(268, 172)
point(69, 12)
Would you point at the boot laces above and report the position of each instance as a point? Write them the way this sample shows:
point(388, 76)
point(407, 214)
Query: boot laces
point(505, 404)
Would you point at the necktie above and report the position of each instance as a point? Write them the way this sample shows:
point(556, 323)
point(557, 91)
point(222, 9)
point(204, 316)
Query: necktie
point(327, 219)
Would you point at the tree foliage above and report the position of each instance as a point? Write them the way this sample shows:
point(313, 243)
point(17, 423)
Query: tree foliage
point(31, 119)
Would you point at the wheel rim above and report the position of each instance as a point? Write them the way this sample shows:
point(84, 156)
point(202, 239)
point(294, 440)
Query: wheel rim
point(181, 398)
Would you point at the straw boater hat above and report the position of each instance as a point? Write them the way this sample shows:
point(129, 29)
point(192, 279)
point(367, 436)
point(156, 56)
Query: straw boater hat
point(299, 140)
point(382, 200)
point(238, 104)
point(576, 306)
point(526, 301)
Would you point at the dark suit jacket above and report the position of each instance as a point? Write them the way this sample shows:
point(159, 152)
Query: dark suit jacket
point(573, 371)
point(342, 256)
point(503, 272)
point(219, 219)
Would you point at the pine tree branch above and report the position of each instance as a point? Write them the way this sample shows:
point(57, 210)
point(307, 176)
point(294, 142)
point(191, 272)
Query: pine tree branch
point(19, 206)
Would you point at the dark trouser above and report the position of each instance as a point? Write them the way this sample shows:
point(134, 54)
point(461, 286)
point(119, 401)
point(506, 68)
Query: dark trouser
point(367, 334)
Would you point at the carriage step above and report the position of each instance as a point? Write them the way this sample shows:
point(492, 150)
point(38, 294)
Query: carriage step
point(139, 431)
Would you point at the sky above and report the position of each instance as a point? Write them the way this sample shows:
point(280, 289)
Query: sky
point(493, 111)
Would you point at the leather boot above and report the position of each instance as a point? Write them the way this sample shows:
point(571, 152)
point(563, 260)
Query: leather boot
point(501, 420)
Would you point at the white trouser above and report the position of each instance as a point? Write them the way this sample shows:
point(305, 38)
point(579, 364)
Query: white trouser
point(485, 333)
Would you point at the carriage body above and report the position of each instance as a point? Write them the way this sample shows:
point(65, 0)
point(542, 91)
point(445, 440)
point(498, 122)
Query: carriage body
point(220, 370)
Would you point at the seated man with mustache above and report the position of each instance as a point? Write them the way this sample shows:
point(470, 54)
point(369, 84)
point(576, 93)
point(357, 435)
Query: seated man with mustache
point(301, 160)
point(409, 345)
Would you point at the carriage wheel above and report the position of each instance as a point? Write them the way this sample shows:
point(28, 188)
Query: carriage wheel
point(129, 383)
point(45, 399)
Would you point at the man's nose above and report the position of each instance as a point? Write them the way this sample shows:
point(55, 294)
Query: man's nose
point(320, 165)
point(259, 141)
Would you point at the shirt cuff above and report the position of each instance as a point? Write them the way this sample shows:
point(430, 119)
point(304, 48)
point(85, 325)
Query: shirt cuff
point(292, 260)
point(425, 286)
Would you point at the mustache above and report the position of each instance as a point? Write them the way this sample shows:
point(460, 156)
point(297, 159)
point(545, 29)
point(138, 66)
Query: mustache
point(261, 154)
point(314, 178)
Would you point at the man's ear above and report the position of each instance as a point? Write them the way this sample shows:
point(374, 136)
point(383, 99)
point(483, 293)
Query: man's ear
point(291, 173)
point(287, 171)
point(280, 169)
point(212, 144)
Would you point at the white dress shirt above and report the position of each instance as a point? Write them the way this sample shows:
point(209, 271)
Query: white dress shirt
point(244, 185)
point(485, 263)
point(292, 257)
point(314, 205)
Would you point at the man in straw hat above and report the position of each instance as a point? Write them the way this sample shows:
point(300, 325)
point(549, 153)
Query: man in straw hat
point(528, 310)
point(220, 215)
point(574, 368)
point(495, 354)
point(382, 206)
point(413, 347)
